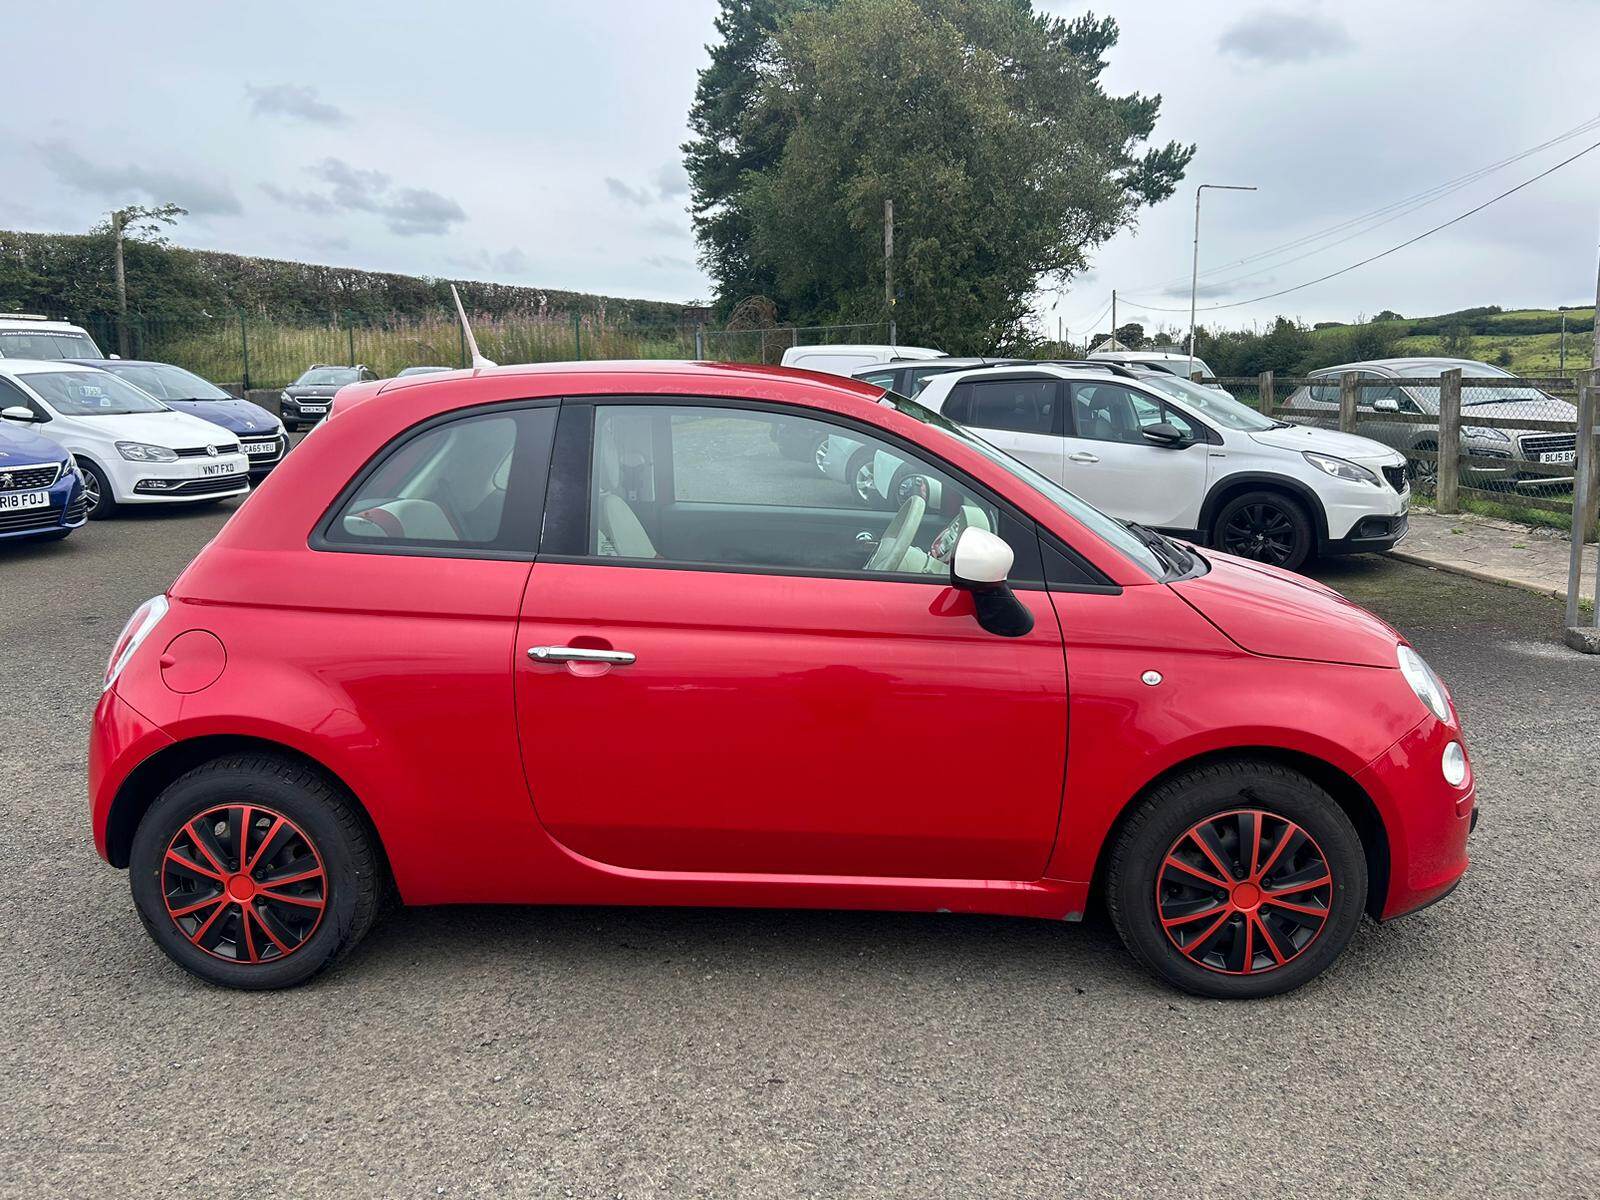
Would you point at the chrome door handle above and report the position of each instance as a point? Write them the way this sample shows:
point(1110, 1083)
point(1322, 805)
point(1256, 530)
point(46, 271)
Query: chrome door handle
point(565, 654)
point(1083, 456)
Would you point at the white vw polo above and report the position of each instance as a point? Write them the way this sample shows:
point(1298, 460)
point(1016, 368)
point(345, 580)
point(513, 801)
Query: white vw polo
point(131, 448)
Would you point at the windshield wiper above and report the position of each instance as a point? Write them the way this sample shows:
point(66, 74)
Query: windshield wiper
point(1163, 548)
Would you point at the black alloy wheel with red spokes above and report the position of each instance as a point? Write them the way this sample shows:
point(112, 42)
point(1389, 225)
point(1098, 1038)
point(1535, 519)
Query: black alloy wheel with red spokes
point(1237, 878)
point(1244, 891)
point(254, 870)
point(244, 883)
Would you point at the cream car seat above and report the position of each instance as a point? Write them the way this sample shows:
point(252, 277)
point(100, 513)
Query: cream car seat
point(619, 530)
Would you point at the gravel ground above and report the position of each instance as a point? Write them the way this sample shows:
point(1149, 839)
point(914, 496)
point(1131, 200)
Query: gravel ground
point(592, 1052)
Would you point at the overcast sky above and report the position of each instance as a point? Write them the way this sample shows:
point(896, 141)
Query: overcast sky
point(536, 142)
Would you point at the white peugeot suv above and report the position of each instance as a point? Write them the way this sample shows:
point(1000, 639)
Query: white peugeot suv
point(1178, 457)
point(131, 448)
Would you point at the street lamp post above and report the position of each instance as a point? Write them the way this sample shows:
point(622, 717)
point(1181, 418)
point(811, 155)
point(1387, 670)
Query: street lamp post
point(1194, 279)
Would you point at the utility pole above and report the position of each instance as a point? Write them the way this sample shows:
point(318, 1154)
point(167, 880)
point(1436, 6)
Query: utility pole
point(118, 220)
point(1562, 369)
point(888, 264)
point(1194, 278)
point(1114, 343)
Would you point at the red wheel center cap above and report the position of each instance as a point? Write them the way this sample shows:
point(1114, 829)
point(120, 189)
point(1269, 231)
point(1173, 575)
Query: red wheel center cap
point(241, 887)
point(1246, 896)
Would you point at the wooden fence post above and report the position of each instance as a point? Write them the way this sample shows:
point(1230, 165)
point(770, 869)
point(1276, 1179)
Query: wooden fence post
point(1265, 400)
point(1349, 394)
point(1447, 498)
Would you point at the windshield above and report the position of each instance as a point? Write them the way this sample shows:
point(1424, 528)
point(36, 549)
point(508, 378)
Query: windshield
point(46, 343)
point(90, 393)
point(1109, 528)
point(1178, 368)
point(166, 383)
point(1208, 402)
point(1470, 395)
point(327, 377)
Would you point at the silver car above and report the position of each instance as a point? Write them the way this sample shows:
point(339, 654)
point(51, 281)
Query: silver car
point(1532, 458)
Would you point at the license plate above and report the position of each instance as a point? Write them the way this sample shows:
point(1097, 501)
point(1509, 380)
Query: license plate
point(314, 408)
point(226, 468)
point(1559, 456)
point(261, 449)
point(16, 501)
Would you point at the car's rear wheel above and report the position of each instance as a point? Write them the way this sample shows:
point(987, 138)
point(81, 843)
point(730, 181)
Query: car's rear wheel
point(1269, 527)
point(98, 500)
point(254, 871)
point(859, 479)
point(1236, 880)
point(1424, 472)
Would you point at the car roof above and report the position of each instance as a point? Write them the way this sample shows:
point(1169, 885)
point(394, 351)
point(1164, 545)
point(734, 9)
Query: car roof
point(104, 363)
point(1398, 364)
point(16, 321)
point(39, 366)
point(606, 377)
point(1105, 373)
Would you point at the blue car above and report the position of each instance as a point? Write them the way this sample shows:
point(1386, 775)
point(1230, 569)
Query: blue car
point(41, 492)
point(260, 433)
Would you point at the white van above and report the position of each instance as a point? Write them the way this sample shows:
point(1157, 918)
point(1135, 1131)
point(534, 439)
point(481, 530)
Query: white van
point(23, 335)
point(841, 360)
point(1173, 362)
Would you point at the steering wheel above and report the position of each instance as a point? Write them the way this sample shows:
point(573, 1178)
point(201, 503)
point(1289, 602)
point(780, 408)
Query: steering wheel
point(897, 537)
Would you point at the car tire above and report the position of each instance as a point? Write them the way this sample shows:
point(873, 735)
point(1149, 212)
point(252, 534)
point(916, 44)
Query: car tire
point(319, 853)
point(1268, 527)
point(1423, 472)
point(1297, 833)
point(97, 489)
point(858, 478)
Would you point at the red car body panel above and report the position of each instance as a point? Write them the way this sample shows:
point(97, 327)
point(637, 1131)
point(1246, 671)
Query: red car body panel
point(726, 767)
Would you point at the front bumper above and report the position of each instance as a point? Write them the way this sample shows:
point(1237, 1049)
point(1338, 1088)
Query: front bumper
point(67, 510)
point(304, 408)
point(184, 481)
point(1370, 535)
point(1426, 820)
point(1362, 517)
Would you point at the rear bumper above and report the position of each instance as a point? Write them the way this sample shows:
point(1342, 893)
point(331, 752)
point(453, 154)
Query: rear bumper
point(1426, 820)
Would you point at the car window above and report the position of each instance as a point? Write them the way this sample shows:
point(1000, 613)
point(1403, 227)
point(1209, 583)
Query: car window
point(1326, 389)
point(1110, 412)
point(91, 393)
point(475, 483)
point(46, 344)
point(327, 377)
point(883, 379)
point(919, 378)
point(1367, 397)
point(11, 396)
point(710, 486)
point(1016, 405)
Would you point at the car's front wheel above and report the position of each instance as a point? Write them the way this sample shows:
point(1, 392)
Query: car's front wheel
point(255, 871)
point(98, 499)
point(1269, 527)
point(858, 477)
point(1238, 879)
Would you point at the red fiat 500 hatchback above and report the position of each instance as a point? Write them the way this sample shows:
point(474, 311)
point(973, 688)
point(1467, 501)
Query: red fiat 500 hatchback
point(587, 635)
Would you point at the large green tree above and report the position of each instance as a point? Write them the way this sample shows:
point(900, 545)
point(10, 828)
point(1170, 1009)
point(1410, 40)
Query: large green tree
point(983, 121)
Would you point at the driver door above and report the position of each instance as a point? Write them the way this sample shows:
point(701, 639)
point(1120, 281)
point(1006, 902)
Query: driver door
point(780, 709)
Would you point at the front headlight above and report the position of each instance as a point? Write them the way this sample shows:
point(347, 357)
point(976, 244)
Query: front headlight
point(1424, 682)
point(1340, 468)
point(143, 452)
point(1484, 434)
point(70, 467)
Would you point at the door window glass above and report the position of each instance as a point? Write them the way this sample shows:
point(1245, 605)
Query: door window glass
point(1016, 405)
point(1110, 412)
point(711, 486)
point(451, 487)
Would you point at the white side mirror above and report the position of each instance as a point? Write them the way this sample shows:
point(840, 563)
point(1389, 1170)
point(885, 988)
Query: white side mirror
point(18, 413)
point(1386, 404)
point(981, 560)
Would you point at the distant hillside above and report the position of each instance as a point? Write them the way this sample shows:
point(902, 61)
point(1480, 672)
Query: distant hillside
point(72, 275)
point(1525, 341)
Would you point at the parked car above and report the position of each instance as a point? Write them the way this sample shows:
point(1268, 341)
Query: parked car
point(41, 492)
point(1178, 456)
point(130, 447)
point(1521, 452)
point(1253, 762)
point(408, 372)
point(307, 399)
point(261, 435)
point(1173, 362)
point(843, 359)
point(24, 335)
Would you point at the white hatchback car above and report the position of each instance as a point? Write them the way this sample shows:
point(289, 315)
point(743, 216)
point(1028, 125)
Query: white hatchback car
point(131, 448)
point(1179, 457)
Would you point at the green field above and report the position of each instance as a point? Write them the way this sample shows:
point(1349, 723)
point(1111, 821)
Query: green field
point(1531, 337)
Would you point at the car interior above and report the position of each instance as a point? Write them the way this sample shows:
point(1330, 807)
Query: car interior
point(446, 485)
point(709, 486)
